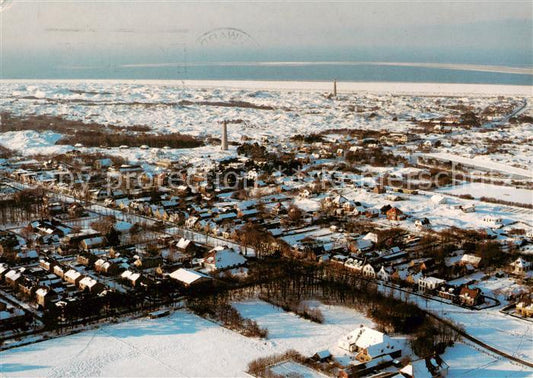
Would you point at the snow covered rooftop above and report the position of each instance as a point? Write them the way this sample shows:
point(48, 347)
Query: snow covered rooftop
point(188, 276)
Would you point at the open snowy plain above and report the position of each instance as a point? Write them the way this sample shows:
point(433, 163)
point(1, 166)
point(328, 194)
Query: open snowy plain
point(186, 345)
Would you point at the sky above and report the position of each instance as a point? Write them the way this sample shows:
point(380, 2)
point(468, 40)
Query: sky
point(78, 35)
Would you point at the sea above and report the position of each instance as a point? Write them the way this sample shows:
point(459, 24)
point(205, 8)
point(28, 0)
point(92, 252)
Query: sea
point(351, 64)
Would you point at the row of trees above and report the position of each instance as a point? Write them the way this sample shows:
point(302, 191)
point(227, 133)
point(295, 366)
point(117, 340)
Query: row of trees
point(216, 308)
point(22, 206)
point(11, 122)
point(103, 138)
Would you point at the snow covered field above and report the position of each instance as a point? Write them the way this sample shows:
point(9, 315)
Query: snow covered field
point(485, 163)
point(478, 190)
point(503, 332)
point(32, 142)
point(468, 361)
point(184, 344)
point(444, 215)
point(181, 344)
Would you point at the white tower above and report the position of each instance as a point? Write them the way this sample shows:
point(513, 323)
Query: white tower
point(224, 135)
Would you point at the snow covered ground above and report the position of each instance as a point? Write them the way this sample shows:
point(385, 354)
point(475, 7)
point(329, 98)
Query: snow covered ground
point(294, 107)
point(275, 110)
point(478, 190)
point(184, 344)
point(468, 361)
point(483, 162)
point(181, 344)
point(445, 215)
point(32, 142)
point(371, 87)
point(503, 332)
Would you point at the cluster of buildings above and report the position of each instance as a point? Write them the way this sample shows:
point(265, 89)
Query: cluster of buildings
point(369, 352)
point(108, 226)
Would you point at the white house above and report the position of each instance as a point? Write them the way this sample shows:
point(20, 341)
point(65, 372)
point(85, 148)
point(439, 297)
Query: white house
point(132, 277)
point(520, 266)
point(368, 271)
point(356, 265)
point(429, 283)
point(369, 344)
point(384, 274)
point(72, 276)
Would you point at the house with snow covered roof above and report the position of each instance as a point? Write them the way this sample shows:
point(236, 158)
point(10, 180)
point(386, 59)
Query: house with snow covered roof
point(372, 236)
point(369, 271)
point(106, 267)
point(468, 259)
point(91, 285)
point(369, 344)
point(188, 277)
point(44, 296)
point(73, 277)
point(384, 274)
point(132, 278)
point(469, 208)
point(520, 266)
point(429, 367)
point(359, 210)
point(220, 258)
point(470, 297)
point(362, 245)
point(422, 224)
point(4, 268)
point(185, 245)
point(13, 276)
point(429, 283)
point(91, 243)
point(122, 227)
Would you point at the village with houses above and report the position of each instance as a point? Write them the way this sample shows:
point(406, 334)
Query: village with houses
point(395, 212)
